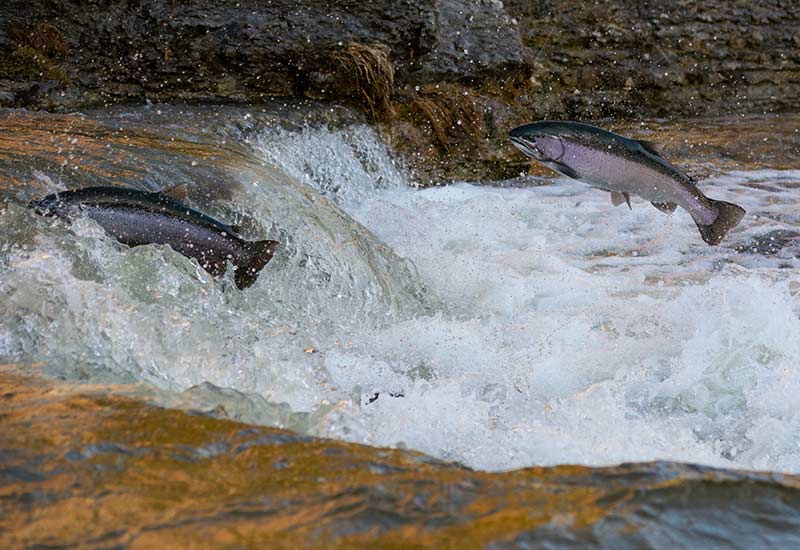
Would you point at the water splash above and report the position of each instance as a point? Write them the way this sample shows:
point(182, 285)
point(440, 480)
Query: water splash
point(346, 165)
point(93, 309)
point(582, 333)
point(535, 326)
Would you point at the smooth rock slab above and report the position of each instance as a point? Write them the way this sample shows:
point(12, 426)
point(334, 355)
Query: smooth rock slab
point(150, 481)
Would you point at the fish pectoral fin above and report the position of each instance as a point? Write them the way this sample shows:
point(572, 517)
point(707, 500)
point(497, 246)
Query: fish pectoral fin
point(564, 169)
point(179, 192)
point(666, 207)
point(618, 198)
point(236, 228)
point(651, 147)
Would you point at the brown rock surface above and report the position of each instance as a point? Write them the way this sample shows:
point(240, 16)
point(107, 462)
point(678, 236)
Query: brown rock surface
point(81, 467)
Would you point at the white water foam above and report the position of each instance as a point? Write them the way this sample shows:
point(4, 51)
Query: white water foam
point(581, 333)
point(571, 331)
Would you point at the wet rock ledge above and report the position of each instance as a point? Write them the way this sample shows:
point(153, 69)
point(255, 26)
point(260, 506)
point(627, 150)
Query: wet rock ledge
point(444, 79)
point(83, 468)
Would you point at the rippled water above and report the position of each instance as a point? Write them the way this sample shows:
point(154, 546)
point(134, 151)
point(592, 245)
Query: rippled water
point(499, 326)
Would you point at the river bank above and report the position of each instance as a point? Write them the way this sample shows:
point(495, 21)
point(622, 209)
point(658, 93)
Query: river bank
point(444, 80)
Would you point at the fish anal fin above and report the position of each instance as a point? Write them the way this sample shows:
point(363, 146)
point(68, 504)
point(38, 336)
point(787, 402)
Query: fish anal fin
point(216, 267)
point(255, 257)
point(651, 147)
point(666, 207)
point(618, 198)
point(178, 192)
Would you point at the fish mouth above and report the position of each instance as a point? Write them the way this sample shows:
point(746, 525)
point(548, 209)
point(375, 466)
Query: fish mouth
point(43, 207)
point(527, 146)
point(520, 132)
point(39, 208)
point(517, 142)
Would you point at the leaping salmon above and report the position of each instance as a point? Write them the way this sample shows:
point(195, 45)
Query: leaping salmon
point(624, 167)
point(136, 218)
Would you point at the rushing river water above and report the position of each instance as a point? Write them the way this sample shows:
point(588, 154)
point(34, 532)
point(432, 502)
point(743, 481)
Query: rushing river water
point(524, 323)
point(500, 326)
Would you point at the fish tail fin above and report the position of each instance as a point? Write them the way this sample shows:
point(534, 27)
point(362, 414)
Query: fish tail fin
point(729, 215)
point(255, 257)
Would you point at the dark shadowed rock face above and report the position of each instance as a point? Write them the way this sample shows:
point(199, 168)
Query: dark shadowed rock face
point(630, 58)
point(470, 39)
point(241, 51)
point(449, 77)
point(555, 57)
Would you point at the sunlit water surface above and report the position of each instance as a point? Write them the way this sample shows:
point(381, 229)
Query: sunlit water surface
point(498, 326)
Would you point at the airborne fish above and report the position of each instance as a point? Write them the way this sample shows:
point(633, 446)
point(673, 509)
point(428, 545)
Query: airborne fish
point(624, 166)
point(136, 218)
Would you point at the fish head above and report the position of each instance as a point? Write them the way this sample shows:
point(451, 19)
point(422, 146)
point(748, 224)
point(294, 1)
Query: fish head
point(538, 141)
point(51, 205)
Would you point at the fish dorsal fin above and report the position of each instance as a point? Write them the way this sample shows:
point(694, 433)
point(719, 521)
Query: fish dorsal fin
point(666, 207)
point(619, 198)
point(179, 192)
point(651, 147)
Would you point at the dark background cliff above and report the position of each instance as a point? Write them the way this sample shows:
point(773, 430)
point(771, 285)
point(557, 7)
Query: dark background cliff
point(443, 79)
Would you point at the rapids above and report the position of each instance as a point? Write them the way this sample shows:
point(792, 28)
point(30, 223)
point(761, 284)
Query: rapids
point(523, 323)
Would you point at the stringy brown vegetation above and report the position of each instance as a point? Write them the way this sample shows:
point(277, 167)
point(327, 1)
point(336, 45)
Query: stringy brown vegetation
point(371, 74)
point(451, 112)
point(433, 124)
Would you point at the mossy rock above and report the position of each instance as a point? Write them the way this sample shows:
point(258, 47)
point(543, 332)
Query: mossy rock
point(27, 62)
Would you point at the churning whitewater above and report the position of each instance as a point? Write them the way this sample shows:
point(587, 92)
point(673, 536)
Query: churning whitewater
point(575, 334)
point(547, 328)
